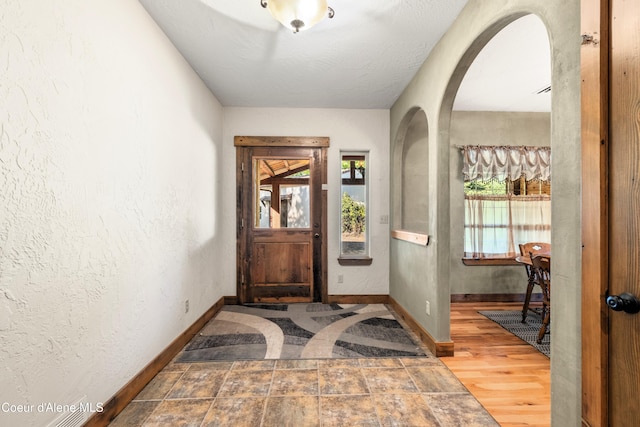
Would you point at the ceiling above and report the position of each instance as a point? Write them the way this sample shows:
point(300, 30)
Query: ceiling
point(362, 58)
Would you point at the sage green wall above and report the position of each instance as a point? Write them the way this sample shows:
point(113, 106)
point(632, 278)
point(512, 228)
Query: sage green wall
point(420, 273)
point(415, 185)
point(487, 128)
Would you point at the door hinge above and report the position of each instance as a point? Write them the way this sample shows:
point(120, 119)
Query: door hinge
point(242, 278)
point(589, 39)
point(241, 223)
point(242, 166)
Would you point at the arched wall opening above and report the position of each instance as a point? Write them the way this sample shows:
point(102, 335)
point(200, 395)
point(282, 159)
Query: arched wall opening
point(411, 166)
point(472, 121)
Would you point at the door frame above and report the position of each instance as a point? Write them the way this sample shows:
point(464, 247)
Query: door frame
point(320, 274)
point(594, 73)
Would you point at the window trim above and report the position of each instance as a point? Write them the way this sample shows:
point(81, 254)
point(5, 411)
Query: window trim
point(355, 261)
point(489, 261)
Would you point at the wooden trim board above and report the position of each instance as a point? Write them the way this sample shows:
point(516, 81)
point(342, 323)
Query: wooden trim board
point(438, 348)
point(410, 236)
point(595, 100)
point(494, 297)
point(281, 141)
point(355, 261)
point(127, 393)
point(358, 299)
point(490, 261)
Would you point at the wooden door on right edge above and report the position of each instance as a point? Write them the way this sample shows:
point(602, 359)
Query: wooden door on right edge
point(624, 211)
point(610, 98)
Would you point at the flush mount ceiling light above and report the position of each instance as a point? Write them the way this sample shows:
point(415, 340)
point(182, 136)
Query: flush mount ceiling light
point(298, 14)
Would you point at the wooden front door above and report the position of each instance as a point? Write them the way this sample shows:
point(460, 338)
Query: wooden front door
point(281, 221)
point(611, 191)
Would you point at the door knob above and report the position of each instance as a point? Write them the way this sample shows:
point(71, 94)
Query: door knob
point(624, 302)
point(317, 235)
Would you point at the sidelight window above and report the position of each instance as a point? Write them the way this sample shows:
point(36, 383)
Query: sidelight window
point(354, 205)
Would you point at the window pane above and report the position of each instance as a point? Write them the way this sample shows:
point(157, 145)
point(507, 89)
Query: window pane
point(294, 206)
point(281, 193)
point(496, 225)
point(499, 215)
point(353, 221)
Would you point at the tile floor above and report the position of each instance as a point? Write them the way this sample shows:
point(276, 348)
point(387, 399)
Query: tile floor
point(300, 393)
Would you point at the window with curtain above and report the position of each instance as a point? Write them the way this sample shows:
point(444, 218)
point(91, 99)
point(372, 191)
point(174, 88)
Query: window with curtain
point(507, 199)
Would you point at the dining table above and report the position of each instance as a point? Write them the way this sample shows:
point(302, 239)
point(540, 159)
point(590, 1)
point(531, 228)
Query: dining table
point(526, 259)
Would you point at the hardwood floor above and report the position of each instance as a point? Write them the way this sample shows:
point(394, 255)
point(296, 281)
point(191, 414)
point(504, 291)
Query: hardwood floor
point(509, 377)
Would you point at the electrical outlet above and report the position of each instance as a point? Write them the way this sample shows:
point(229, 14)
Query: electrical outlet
point(340, 278)
point(428, 308)
point(186, 306)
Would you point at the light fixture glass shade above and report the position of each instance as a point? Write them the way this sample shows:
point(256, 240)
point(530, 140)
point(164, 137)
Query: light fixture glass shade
point(298, 15)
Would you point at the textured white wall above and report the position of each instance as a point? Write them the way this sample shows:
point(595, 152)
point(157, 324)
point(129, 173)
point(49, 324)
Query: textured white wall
point(353, 130)
point(110, 148)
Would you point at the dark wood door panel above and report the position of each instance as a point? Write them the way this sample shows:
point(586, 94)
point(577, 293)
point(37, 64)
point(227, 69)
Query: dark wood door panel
point(281, 272)
point(280, 294)
point(281, 263)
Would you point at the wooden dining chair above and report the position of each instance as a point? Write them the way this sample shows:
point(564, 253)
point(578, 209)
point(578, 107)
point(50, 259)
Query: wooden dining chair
point(541, 266)
point(529, 249)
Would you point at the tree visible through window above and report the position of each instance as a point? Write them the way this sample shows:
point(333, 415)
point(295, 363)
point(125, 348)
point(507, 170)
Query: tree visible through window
point(353, 219)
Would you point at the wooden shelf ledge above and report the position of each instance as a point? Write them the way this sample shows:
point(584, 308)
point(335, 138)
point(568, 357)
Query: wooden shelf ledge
point(411, 236)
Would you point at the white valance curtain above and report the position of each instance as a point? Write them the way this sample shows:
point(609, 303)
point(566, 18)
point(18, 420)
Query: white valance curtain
point(505, 162)
point(494, 225)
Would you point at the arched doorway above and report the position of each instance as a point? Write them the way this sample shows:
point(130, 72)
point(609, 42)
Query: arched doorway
point(504, 99)
point(500, 98)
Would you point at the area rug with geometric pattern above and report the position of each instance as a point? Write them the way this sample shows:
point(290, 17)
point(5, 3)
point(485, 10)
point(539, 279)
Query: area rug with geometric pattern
point(301, 331)
point(528, 332)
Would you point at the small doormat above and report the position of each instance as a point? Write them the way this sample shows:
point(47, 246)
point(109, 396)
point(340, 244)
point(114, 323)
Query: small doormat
point(528, 332)
point(301, 331)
